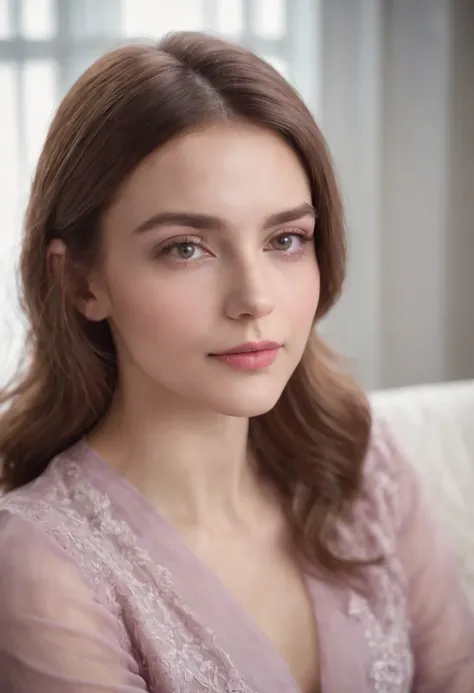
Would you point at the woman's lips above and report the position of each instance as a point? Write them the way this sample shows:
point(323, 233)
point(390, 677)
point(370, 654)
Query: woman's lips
point(251, 357)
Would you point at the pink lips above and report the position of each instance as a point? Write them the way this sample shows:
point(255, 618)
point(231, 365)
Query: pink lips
point(250, 356)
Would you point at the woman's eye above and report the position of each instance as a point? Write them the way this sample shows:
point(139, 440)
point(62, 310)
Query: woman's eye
point(290, 241)
point(185, 251)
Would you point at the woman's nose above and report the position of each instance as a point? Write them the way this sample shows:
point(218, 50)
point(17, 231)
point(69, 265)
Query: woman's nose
point(250, 297)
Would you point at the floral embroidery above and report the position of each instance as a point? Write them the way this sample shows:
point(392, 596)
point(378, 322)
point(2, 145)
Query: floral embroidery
point(384, 616)
point(188, 652)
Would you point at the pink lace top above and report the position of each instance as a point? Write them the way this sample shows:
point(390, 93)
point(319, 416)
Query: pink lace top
point(98, 594)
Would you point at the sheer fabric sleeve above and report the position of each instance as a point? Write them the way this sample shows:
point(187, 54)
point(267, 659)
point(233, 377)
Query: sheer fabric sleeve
point(54, 636)
point(441, 617)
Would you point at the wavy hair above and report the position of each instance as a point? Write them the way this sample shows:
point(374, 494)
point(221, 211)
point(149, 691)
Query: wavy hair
point(131, 101)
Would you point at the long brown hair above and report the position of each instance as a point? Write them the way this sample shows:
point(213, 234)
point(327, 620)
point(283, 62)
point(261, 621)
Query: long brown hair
point(126, 105)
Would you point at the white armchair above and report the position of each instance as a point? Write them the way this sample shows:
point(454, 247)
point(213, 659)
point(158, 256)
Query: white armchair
point(435, 427)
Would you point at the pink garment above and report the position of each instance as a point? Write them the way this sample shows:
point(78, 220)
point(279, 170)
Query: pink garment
point(98, 593)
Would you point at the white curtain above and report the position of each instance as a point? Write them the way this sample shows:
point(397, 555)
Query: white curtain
point(397, 106)
point(46, 44)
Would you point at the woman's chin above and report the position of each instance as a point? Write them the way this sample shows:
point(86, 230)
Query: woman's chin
point(248, 404)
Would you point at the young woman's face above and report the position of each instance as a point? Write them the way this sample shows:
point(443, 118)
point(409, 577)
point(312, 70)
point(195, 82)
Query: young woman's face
point(209, 247)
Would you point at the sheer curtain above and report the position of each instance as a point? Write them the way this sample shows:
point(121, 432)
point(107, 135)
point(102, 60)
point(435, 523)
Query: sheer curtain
point(46, 44)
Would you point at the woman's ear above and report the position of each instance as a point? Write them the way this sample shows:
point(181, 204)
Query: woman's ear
point(84, 292)
point(56, 257)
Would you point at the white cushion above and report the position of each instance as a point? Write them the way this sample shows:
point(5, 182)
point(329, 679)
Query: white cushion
point(435, 427)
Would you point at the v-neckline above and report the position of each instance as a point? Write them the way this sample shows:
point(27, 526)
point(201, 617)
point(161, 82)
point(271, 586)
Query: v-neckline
point(270, 671)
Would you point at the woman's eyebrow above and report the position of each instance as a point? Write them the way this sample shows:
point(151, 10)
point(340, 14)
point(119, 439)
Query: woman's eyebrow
point(207, 221)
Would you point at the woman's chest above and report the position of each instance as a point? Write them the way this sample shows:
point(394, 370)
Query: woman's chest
point(251, 624)
point(267, 586)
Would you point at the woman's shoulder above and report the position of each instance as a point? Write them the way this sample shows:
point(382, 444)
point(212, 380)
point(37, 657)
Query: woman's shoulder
point(40, 501)
point(25, 545)
point(49, 514)
point(72, 508)
point(34, 565)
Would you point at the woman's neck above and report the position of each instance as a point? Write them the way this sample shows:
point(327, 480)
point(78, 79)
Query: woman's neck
point(192, 465)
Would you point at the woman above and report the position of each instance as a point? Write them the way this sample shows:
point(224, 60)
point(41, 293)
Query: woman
point(197, 500)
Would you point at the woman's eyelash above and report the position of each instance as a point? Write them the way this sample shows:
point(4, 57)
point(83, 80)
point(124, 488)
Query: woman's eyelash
point(295, 232)
point(299, 233)
point(173, 243)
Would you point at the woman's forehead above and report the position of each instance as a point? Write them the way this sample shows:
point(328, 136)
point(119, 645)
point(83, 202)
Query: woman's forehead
point(224, 171)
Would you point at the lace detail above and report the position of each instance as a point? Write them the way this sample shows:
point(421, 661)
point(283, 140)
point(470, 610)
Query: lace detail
point(177, 652)
point(383, 614)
